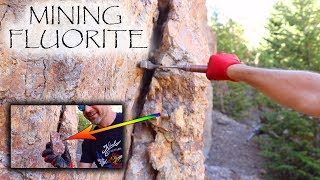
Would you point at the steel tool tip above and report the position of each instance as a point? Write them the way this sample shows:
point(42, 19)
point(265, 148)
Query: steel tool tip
point(145, 64)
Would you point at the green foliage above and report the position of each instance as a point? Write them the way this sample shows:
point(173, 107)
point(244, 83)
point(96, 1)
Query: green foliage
point(230, 37)
point(83, 122)
point(228, 97)
point(233, 99)
point(293, 41)
point(292, 146)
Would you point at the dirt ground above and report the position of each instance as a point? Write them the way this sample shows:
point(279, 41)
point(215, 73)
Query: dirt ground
point(231, 152)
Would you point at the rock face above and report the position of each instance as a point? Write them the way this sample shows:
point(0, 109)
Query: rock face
point(167, 148)
point(31, 127)
point(57, 145)
point(175, 151)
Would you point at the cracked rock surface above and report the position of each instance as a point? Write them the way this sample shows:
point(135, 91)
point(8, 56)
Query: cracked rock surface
point(167, 148)
point(31, 128)
point(57, 144)
point(175, 151)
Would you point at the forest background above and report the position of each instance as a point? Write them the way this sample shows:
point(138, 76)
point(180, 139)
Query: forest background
point(290, 141)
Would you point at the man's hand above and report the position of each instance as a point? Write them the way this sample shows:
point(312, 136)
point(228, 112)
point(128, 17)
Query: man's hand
point(63, 161)
point(218, 65)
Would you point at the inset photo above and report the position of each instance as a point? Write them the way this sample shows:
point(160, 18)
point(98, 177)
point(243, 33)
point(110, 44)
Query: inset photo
point(43, 136)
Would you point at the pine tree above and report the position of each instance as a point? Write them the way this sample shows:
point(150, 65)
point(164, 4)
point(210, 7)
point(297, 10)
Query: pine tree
point(228, 97)
point(293, 43)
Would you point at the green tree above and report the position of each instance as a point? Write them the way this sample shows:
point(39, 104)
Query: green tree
point(230, 37)
point(292, 43)
point(229, 97)
point(83, 122)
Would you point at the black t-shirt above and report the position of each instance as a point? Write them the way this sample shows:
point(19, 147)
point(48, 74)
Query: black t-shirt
point(106, 150)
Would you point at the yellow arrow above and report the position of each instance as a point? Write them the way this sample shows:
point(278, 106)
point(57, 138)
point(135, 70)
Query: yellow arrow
point(87, 134)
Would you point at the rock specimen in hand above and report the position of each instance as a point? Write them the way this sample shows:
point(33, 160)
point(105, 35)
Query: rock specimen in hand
point(56, 143)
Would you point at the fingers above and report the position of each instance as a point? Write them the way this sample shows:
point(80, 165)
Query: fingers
point(50, 158)
point(218, 65)
point(59, 162)
point(46, 152)
point(48, 145)
point(48, 155)
point(66, 154)
point(56, 160)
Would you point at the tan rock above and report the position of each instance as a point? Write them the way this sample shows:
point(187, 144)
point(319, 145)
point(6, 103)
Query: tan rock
point(57, 145)
point(30, 131)
point(169, 147)
point(180, 97)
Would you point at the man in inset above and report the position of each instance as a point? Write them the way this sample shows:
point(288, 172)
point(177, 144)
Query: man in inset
point(106, 151)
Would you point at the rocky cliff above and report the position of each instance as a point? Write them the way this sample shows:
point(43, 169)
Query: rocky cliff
point(31, 126)
point(174, 31)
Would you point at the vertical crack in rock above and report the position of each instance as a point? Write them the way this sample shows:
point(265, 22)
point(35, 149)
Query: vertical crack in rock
point(156, 43)
point(63, 109)
point(157, 36)
point(23, 173)
point(25, 84)
point(4, 14)
point(44, 75)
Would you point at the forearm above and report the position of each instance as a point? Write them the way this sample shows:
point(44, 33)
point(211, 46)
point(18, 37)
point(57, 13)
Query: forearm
point(299, 90)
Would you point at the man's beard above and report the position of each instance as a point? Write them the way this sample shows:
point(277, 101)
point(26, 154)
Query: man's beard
point(96, 121)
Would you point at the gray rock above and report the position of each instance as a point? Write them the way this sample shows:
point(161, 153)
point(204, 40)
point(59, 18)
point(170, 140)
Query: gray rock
point(231, 152)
